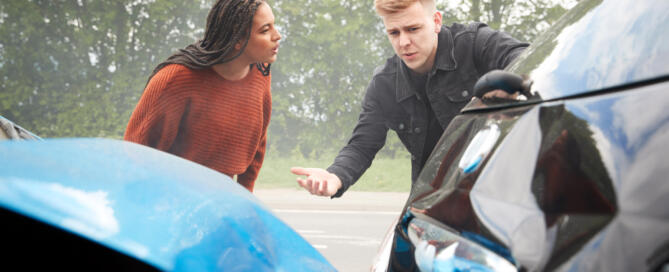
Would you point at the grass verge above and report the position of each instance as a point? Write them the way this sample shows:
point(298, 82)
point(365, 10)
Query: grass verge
point(385, 174)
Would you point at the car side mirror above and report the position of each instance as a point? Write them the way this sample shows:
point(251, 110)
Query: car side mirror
point(502, 80)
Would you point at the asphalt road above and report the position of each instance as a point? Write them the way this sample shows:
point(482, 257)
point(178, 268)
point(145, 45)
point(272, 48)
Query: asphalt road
point(347, 231)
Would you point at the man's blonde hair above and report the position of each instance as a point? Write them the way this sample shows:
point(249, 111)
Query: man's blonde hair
point(384, 7)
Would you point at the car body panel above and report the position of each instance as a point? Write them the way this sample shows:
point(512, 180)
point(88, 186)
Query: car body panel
point(158, 208)
point(596, 46)
point(578, 183)
point(572, 175)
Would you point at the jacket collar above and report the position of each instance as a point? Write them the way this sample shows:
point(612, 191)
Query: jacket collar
point(444, 60)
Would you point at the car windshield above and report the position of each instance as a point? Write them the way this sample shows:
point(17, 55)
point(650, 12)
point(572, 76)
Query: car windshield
point(598, 45)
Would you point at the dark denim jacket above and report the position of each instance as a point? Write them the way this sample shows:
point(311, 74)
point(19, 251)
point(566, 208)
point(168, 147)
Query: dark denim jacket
point(464, 53)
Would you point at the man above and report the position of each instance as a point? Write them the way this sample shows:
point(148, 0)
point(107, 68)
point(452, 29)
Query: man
point(417, 92)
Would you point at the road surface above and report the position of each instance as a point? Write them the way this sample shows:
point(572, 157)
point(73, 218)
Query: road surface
point(347, 231)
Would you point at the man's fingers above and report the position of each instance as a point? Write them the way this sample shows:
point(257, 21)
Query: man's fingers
point(303, 183)
point(299, 171)
point(324, 188)
point(316, 180)
point(309, 186)
point(500, 94)
point(306, 184)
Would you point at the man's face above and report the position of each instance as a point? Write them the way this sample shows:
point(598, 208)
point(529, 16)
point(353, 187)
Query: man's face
point(413, 33)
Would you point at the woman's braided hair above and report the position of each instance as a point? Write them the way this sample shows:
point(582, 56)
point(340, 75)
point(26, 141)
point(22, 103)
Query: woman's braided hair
point(228, 22)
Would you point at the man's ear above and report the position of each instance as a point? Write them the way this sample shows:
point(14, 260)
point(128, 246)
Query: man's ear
point(238, 45)
point(437, 21)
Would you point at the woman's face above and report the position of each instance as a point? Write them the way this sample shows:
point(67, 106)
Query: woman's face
point(263, 44)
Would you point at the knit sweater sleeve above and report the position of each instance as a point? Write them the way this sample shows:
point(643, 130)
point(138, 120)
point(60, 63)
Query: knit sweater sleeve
point(248, 178)
point(155, 120)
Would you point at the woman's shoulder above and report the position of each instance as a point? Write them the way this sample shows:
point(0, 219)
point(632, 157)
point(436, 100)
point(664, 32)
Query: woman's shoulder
point(264, 80)
point(174, 70)
point(171, 79)
point(178, 74)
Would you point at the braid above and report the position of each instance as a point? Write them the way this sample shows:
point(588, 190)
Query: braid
point(264, 69)
point(228, 22)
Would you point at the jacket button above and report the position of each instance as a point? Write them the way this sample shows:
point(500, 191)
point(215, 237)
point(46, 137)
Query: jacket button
point(401, 126)
point(465, 93)
point(416, 130)
point(413, 157)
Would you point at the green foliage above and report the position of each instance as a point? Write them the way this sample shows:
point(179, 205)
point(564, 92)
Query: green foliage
point(329, 51)
point(524, 20)
point(78, 68)
point(385, 175)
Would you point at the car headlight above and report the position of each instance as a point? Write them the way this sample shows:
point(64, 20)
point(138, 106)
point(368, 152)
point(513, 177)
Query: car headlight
point(440, 249)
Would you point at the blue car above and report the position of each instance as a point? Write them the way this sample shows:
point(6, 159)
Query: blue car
point(102, 204)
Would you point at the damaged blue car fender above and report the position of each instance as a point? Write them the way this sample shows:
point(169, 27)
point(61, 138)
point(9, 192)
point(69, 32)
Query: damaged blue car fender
point(161, 210)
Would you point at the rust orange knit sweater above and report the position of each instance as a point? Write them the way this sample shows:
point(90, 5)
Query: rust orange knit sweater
point(200, 116)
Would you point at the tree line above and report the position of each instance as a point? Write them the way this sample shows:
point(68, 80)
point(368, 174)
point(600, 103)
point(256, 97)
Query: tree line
point(76, 68)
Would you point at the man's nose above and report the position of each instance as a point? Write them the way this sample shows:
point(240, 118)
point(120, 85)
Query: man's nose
point(404, 40)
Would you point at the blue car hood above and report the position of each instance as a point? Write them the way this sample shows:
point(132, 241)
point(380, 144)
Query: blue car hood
point(163, 210)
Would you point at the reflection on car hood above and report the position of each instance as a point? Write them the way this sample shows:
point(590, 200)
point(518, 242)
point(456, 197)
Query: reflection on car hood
point(164, 210)
point(574, 185)
point(596, 46)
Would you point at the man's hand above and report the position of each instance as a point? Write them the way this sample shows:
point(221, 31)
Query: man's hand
point(500, 94)
point(318, 181)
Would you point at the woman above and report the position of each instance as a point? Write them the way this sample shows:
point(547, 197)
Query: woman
point(211, 102)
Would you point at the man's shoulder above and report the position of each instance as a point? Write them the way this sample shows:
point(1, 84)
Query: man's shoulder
point(389, 68)
point(459, 28)
point(384, 77)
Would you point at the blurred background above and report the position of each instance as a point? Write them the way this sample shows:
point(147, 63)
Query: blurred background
point(76, 68)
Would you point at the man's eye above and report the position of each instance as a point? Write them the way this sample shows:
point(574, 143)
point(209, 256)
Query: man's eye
point(413, 29)
point(393, 33)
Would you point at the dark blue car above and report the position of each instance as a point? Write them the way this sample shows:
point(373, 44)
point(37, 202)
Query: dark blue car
point(572, 175)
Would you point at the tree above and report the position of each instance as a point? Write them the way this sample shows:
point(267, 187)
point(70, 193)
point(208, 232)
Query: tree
point(523, 19)
point(78, 68)
point(329, 51)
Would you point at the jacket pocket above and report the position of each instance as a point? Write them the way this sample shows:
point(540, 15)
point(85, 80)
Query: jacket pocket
point(399, 125)
point(461, 91)
point(402, 126)
point(460, 94)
